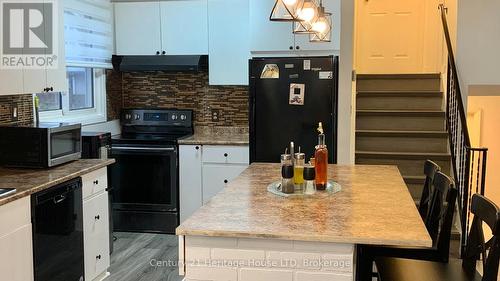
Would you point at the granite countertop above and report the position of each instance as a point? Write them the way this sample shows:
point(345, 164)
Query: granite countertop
point(29, 181)
point(217, 136)
point(373, 207)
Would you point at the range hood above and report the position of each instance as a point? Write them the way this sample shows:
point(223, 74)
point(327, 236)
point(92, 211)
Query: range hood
point(163, 63)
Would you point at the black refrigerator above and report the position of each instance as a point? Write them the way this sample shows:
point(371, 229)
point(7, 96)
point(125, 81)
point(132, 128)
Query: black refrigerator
point(288, 97)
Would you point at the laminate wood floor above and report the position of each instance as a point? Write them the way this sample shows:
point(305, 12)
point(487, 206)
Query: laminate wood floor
point(134, 252)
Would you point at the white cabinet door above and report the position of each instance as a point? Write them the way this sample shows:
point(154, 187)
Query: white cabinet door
point(11, 82)
point(184, 28)
point(137, 28)
point(266, 35)
point(16, 255)
point(54, 78)
point(302, 41)
point(189, 180)
point(96, 236)
point(228, 22)
point(216, 176)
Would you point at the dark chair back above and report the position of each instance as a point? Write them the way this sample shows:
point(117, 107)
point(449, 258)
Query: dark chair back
point(430, 170)
point(486, 211)
point(439, 219)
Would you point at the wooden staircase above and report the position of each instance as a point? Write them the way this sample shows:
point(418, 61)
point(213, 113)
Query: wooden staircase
point(400, 121)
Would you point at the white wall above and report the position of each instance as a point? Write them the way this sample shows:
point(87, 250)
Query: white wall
point(478, 43)
point(346, 97)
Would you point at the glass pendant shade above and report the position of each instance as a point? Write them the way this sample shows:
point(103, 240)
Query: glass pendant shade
point(322, 29)
point(286, 10)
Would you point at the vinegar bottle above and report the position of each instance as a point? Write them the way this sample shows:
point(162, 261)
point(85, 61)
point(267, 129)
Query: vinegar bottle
point(321, 160)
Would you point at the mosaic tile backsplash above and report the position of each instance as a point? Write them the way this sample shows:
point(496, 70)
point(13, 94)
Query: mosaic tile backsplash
point(25, 109)
point(187, 90)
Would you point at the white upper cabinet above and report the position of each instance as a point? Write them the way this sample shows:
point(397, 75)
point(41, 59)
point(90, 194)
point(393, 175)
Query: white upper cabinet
point(266, 35)
point(271, 36)
point(184, 29)
point(161, 28)
point(36, 80)
point(137, 28)
point(229, 51)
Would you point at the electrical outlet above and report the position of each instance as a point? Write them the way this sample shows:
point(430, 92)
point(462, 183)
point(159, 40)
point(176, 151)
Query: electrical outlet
point(14, 112)
point(215, 115)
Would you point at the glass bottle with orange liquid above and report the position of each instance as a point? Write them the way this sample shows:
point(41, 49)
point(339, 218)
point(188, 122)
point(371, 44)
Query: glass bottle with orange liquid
point(321, 160)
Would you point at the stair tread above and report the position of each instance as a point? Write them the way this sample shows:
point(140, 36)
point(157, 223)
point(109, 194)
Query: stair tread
point(400, 112)
point(398, 76)
point(403, 133)
point(398, 92)
point(408, 154)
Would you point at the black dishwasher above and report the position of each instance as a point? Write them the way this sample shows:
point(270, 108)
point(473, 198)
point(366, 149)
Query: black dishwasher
point(56, 215)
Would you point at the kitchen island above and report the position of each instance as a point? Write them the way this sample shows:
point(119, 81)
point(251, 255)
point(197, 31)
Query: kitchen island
point(246, 233)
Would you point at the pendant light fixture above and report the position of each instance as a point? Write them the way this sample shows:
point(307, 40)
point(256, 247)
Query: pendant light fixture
point(307, 16)
point(286, 10)
point(322, 27)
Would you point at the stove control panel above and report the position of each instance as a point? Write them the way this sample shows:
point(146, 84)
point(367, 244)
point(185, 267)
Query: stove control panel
point(158, 117)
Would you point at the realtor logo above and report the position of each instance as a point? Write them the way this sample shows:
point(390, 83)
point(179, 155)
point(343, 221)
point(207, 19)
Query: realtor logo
point(29, 34)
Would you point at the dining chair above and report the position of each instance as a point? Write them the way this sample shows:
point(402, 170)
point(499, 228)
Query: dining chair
point(438, 222)
point(484, 211)
point(430, 170)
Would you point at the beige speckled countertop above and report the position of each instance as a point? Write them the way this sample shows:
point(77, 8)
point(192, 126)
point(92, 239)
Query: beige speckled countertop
point(373, 207)
point(217, 136)
point(29, 181)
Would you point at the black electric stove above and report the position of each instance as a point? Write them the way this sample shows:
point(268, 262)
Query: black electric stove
point(145, 176)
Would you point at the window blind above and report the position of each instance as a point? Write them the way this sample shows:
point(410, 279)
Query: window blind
point(88, 33)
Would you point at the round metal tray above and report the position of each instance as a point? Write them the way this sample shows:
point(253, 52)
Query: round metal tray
point(332, 187)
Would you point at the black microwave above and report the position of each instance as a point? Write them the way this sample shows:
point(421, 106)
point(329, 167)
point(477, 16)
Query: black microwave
point(40, 146)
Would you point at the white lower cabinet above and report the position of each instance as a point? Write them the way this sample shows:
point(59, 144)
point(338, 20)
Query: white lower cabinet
point(95, 228)
point(16, 246)
point(205, 170)
point(216, 176)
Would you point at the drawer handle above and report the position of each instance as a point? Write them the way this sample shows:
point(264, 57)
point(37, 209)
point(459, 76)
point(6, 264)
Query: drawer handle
point(225, 155)
point(97, 217)
point(96, 182)
point(98, 257)
point(197, 148)
point(225, 181)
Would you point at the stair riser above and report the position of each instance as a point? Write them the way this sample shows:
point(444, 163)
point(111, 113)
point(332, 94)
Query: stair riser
point(401, 144)
point(399, 103)
point(415, 190)
point(407, 167)
point(400, 123)
point(398, 85)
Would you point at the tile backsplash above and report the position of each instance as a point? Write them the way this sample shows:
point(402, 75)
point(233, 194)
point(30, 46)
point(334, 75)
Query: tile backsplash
point(25, 109)
point(186, 90)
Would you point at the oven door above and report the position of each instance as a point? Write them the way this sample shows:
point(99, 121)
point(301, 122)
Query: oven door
point(144, 178)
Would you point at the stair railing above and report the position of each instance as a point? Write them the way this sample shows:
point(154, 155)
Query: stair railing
point(468, 163)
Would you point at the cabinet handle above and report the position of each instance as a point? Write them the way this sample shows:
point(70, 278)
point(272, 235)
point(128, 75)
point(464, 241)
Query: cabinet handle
point(45, 90)
point(51, 89)
point(157, 52)
point(225, 155)
point(297, 47)
point(225, 181)
point(197, 148)
point(97, 217)
point(98, 257)
point(291, 47)
point(96, 182)
point(163, 52)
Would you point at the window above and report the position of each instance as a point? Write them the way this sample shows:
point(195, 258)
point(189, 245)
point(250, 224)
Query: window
point(84, 102)
point(88, 39)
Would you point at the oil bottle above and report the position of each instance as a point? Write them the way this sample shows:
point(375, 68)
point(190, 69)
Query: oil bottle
point(321, 160)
